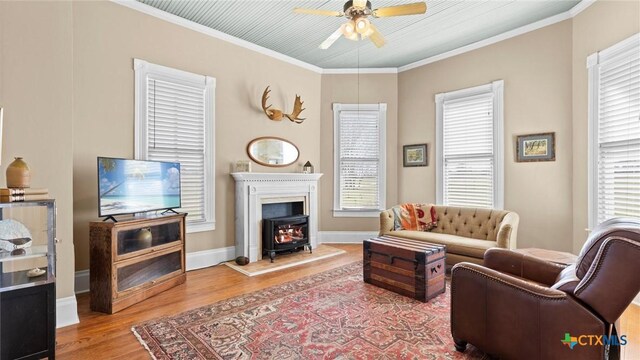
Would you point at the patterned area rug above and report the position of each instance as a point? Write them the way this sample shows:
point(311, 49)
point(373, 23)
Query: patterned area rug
point(331, 315)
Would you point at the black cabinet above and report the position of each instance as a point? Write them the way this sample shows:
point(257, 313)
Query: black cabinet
point(27, 280)
point(28, 323)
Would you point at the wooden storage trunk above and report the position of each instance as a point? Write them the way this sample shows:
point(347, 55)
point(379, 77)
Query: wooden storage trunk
point(408, 267)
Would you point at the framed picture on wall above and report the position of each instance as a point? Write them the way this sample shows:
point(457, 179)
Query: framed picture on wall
point(415, 155)
point(242, 166)
point(536, 147)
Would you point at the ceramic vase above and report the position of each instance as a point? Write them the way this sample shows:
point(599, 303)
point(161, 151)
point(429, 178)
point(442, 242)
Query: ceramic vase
point(145, 238)
point(18, 174)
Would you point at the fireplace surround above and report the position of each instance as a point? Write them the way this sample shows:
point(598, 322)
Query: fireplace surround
point(253, 190)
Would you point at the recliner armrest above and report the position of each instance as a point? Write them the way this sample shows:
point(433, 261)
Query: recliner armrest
point(522, 265)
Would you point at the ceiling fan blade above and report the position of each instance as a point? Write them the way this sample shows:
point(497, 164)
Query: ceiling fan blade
point(375, 37)
point(317, 12)
point(408, 9)
point(331, 39)
point(360, 3)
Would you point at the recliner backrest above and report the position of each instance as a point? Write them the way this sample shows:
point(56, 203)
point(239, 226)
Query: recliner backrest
point(623, 227)
point(608, 268)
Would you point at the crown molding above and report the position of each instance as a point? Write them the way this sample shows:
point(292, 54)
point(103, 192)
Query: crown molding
point(580, 7)
point(361, 71)
point(504, 36)
point(149, 10)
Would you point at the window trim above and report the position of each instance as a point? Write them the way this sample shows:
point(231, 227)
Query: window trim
point(497, 89)
point(593, 118)
point(142, 69)
point(382, 175)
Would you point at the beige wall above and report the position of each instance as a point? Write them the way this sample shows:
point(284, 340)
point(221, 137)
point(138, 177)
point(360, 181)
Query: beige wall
point(36, 91)
point(351, 89)
point(108, 36)
point(536, 69)
point(603, 24)
point(66, 83)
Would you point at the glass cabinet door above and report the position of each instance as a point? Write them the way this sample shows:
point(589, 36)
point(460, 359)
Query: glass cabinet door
point(147, 271)
point(27, 249)
point(139, 239)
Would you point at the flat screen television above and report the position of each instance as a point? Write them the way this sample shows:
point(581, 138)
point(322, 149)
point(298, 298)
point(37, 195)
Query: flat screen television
point(135, 186)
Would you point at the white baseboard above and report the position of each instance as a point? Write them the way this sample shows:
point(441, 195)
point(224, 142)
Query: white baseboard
point(81, 281)
point(636, 301)
point(66, 311)
point(344, 237)
point(202, 259)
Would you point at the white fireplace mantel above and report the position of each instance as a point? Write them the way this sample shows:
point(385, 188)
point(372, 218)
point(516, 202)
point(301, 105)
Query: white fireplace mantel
point(255, 189)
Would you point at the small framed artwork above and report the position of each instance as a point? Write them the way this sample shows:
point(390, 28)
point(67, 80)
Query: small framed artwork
point(242, 166)
point(536, 147)
point(415, 155)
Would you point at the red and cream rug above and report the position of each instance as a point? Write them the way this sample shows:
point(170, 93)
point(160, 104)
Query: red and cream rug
point(331, 315)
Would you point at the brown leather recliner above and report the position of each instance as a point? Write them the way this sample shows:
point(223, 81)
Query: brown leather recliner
point(520, 307)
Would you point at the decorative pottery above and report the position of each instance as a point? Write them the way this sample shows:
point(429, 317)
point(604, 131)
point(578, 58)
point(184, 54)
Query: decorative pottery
point(17, 252)
point(35, 272)
point(307, 168)
point(242, 260)
point(18, 174)
point(144, 237)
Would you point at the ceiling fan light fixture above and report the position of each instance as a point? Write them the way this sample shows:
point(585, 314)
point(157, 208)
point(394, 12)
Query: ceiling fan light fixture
point(349, 30)
point(358, 26)
point(362, 25)
point(367, 33)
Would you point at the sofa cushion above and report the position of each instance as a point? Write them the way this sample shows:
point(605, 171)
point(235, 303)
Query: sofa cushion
point(482, 224)
point(455, 244)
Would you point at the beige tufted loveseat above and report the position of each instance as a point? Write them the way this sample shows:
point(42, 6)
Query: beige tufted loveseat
point(467, 232)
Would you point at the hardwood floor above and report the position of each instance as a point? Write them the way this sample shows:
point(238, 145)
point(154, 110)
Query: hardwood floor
point(101, 336)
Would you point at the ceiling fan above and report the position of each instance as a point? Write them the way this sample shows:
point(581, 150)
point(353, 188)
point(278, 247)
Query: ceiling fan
point(359, 27)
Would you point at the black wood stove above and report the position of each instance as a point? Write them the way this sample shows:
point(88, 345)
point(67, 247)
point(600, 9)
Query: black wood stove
point(286, 233)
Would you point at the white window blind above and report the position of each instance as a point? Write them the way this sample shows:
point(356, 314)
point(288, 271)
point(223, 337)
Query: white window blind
point(360, 155)
point(175, 124)
point(469, 159)
point(616, 131)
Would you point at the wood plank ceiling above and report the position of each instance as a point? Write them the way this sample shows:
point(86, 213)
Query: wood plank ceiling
point(446, 26)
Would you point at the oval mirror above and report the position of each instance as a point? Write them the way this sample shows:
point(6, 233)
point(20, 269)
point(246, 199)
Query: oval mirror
point(272, 151)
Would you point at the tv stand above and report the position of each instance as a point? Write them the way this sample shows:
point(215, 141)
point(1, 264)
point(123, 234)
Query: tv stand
point(169, 211)
point(110, 217)
point(134, 259)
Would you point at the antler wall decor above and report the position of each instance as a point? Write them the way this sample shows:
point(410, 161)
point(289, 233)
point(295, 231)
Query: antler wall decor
point(278, 115)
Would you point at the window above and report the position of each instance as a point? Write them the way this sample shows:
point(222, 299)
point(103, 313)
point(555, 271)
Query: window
point(469, 141)
point(175, 122)
point(614, 132)
point(359, 159)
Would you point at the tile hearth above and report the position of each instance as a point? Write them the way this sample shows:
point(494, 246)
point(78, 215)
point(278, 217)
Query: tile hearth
point(286, 261)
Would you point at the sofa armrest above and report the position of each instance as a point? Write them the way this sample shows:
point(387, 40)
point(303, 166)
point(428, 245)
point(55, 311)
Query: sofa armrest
point(522, 265)
point(508, 231)
point(386, 222)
